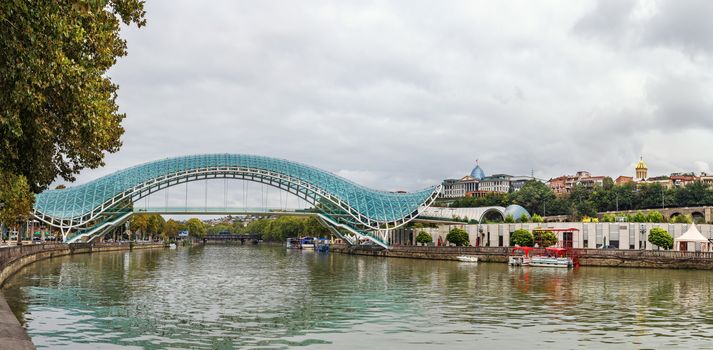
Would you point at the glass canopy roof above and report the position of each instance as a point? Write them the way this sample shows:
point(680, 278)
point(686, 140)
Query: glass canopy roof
point(380, 206)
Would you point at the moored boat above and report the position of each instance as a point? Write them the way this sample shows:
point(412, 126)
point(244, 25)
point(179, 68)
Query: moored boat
point(554, 257)
point(307, 242)
point(293, 243)
point(520, 256)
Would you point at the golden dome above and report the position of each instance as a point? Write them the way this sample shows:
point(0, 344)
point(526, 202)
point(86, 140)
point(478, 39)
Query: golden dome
point(641, 164)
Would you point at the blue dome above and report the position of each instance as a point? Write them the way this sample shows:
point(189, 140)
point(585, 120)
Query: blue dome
point(515, 211)
point(477, 172)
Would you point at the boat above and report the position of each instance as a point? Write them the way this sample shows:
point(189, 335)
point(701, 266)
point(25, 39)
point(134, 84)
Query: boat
point(467, 258)
point(307, 242)
point(172, 246)
point(520, 256)
point(554, 257)
point(322, 245)
point(293, 243)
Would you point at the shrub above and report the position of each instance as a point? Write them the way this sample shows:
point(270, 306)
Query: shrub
point(458, 236)
point(537, 218)
point(522, 238)
point(654, 216)
point(661, 238)
point(424, 238)
point(523, 218)
point(545, 239)
point(682, 219)
point(509, 219)
point(608, 218)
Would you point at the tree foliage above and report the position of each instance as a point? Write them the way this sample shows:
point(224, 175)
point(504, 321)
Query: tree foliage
point(661, 238)
point(458, 236)
point(545, 239)
point(58, 111)
point(196, 228)
point(522, 238)
point(424, 237)
point(170, 229)
point(583, 201)
point(15, 199)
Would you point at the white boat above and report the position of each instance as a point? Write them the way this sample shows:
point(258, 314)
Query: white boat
point(172, 246)
point(467, 258)
point(555, 258)
point(546, 261)
point(293, 243)
point(307, 242)
point(520, 256)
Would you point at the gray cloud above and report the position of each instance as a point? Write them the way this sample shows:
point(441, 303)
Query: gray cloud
point(401, 94)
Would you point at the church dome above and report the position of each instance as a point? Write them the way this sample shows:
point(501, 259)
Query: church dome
point(477, 172)
point(641, 164)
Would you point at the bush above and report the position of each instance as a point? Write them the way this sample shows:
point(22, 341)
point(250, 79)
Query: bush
point(608, 218)
point(522, 238)
point(545, 239)
point(458, 236)
point(682, 219)
point(523, 218)
point(424, 238)
point(509, 219)
point(654, 216)
point(661, 238)
point(537, 218)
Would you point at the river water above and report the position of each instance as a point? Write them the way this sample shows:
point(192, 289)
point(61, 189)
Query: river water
point(267, 297)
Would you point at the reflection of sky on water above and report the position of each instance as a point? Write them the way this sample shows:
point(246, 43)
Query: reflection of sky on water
point(229, 296)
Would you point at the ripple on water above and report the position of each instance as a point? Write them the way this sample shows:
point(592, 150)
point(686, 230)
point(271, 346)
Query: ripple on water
point(225, 297)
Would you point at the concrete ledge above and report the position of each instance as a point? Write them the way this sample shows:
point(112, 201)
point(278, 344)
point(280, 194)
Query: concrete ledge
point(585, 257)
point(12, 335)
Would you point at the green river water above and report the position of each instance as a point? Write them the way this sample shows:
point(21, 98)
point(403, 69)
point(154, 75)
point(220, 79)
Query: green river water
point(267, 297)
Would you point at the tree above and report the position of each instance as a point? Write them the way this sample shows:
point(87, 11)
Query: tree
point(139, 223)
point(509, 219)
point(545, 239)
point(537, 218)
point(533, 196)
point(660, 238)
point(654, 216)
point(196, 228)
point(170, 230)
point(424, 237)
point(522, 238)
point(15, 200)
point(58, 111)
point(458, 236)
point(155, 225)
point(313, 227)
point(216, 229)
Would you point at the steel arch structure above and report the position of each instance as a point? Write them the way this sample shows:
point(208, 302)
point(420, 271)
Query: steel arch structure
point(89, 210)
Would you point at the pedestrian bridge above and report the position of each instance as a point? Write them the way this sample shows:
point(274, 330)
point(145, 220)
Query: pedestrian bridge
point(351, 211)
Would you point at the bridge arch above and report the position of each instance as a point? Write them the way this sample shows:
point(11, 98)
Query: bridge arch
point(88, 210)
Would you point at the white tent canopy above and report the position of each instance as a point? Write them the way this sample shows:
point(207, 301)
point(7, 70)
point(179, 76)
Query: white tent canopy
point(693, 236)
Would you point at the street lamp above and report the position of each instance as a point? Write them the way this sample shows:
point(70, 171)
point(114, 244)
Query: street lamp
point(642, 238)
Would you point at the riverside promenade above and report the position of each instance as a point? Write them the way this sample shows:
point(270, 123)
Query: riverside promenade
point(13, 258)
point(662, 259)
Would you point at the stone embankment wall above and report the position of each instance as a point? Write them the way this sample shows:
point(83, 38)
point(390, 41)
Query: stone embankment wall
point(585, 257)
point(12, 259)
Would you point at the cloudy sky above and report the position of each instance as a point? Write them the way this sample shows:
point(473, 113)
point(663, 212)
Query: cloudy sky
point(401, 94)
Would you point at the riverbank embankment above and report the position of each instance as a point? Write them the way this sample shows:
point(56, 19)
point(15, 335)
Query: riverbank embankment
point(585, 257)
point(12, 259)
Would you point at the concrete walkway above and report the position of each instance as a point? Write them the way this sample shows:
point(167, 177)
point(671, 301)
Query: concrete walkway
point(12, 335)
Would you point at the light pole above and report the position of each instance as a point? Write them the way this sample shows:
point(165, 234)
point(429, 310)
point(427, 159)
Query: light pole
point(642, 232)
